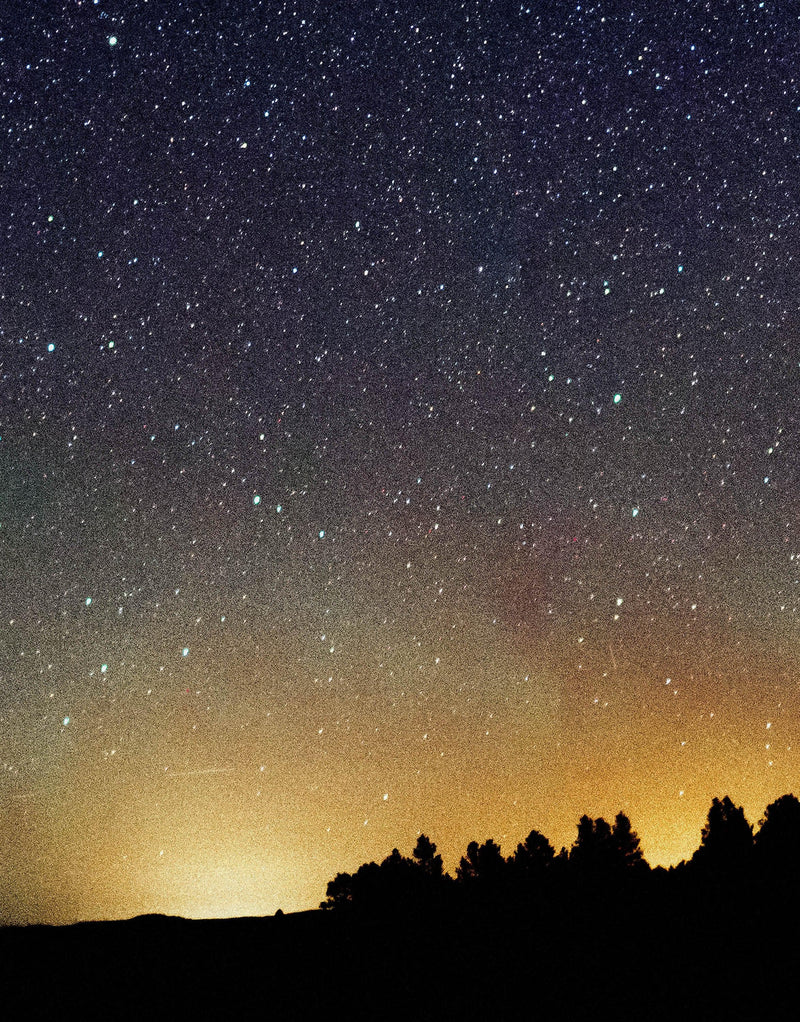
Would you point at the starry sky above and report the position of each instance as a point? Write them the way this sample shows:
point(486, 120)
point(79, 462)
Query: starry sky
point(398, 433)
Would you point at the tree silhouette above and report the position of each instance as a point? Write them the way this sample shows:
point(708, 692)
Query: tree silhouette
point(602, 851)
point(425, 856)
point(397, 883)
point(340, 891)
point(592, 854)
point(777, 843)
point(395, 864)
point(482, 864)
point(533, 857)
point(726, 840)
point(627, 848)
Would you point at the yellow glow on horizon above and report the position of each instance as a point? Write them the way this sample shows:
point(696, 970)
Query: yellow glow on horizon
point(240, 805)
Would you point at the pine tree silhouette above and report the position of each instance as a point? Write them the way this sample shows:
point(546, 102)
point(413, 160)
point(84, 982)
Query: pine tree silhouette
point(726, 840)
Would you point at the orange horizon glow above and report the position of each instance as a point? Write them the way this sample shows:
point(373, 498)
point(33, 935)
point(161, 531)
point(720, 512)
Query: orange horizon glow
point(252, 830)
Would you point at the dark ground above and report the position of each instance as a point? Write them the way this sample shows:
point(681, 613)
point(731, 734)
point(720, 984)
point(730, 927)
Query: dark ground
point(650, 951)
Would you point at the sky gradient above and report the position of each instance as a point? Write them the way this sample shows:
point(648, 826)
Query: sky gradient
point(398, 433)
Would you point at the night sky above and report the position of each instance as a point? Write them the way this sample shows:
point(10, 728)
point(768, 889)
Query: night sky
point(399, 417)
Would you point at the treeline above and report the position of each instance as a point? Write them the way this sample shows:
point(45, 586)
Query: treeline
point(603, 855)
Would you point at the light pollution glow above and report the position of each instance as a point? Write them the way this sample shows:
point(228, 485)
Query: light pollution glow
point(236, 817)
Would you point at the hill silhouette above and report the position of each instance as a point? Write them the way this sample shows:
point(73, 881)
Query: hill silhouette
point(579, 934)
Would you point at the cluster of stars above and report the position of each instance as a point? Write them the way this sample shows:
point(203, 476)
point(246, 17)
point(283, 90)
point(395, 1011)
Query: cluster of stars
point(391, 402)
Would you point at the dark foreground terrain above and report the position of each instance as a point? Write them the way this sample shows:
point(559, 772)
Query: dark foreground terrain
point(649, 951)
